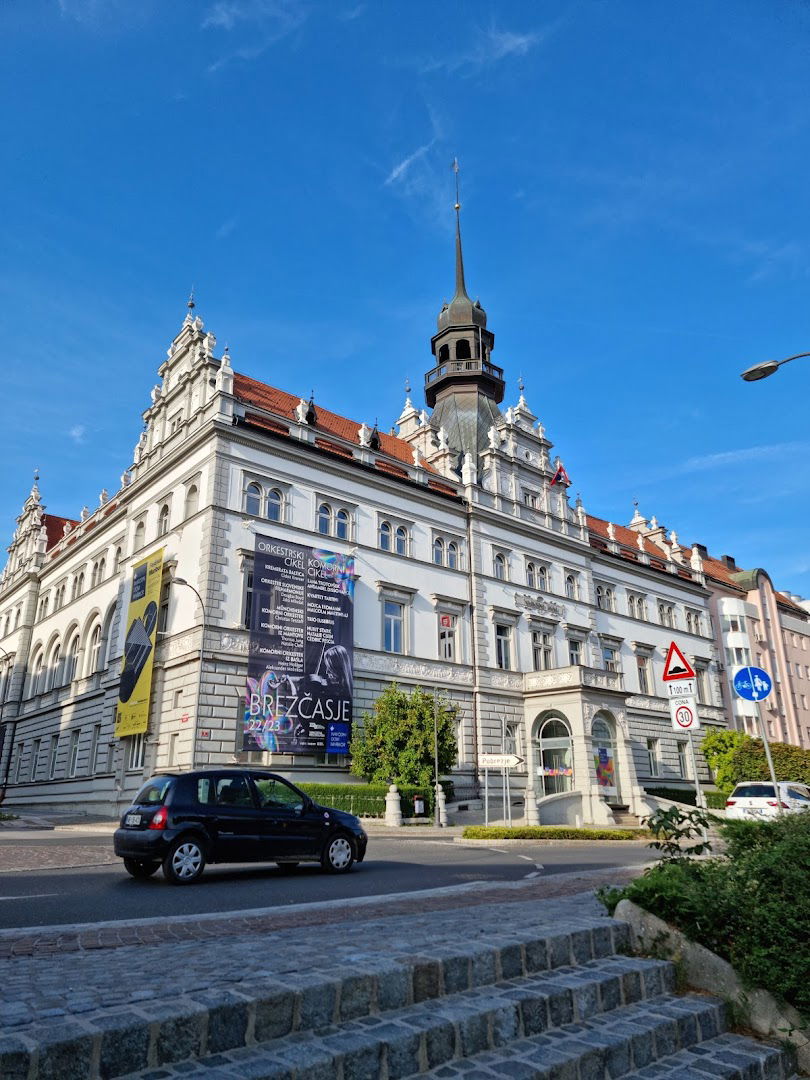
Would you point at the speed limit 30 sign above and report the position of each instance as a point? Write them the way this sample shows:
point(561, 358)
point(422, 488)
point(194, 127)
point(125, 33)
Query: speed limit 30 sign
point(684, 714)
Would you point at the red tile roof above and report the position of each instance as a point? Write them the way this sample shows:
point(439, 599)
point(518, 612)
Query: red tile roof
point(54, 528)
point(273, 400)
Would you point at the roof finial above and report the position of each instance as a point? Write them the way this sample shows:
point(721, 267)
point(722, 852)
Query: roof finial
point(521, 384)
point(461, 288)
point(407, 385)
point(191, 305)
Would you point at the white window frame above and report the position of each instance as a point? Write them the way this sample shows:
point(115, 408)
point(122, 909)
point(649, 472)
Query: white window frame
point(73, 755)
point(403, 596)
point(504, 645)
point(136, 752)
point(571, 584)
point(653, 756)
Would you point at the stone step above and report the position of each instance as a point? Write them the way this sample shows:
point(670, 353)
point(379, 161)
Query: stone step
point(732, 1056)
point(495, 1035)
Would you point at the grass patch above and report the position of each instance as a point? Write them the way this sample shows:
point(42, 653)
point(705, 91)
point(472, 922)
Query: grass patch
point(549, 832)
point(5, 816)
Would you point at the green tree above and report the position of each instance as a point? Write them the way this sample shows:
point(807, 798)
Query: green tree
point(396, 740)
point(719, 748)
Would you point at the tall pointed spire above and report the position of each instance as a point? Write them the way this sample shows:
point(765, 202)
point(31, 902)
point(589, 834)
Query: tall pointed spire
point(461, 288)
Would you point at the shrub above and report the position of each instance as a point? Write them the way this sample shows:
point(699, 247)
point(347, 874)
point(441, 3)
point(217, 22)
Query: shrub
point(752, 908)
point(368, 800)
point(548, 832)
point(734, 757)
point(715, 800)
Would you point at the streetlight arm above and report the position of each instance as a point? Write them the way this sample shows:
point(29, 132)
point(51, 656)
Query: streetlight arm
point(768, 367)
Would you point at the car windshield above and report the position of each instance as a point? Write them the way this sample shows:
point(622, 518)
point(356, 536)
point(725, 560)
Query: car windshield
point(753, 791)
point(154, 791)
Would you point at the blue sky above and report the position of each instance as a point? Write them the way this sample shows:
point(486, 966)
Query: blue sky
point(636, 213)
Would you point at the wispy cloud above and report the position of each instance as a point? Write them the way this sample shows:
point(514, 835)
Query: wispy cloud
point(262, 22)
point(742, 456)
point(489, 47)
point(97, 14)
point(352, 13)
point(226, 228)
point(78, 433)
point(399, 171)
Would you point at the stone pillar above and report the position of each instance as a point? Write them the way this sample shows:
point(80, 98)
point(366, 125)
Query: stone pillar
point(393, 807)
point(441, 806)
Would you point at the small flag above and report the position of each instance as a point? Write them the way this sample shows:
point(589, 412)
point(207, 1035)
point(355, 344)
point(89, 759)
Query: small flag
point(560, 477)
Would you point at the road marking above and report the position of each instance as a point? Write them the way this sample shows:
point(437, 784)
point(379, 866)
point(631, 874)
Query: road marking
point(29, 896)
point(534, 873)
point(528, 858)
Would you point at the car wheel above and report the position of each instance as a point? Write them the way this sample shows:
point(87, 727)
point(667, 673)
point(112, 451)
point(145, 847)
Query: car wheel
point(184, 862)
point(286, 867)
point(338, 854)
point(140, 868)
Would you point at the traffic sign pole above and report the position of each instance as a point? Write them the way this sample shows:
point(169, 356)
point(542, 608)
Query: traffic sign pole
point(700, 797)
point(486, 795)
point(764, 736)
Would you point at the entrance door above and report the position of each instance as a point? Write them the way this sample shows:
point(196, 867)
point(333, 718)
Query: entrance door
point(603, 746)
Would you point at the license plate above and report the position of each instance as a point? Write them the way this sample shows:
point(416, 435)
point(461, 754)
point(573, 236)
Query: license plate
point(132, 819)
point(752, 812)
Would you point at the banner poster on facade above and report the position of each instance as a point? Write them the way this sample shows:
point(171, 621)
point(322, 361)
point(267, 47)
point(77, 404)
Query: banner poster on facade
point(135, 686)
point(605, 766)
point(298, 698)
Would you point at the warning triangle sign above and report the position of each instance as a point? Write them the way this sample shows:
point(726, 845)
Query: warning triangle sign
point(676, 665)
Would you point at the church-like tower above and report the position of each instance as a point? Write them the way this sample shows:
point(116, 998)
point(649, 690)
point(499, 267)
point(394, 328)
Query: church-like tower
point(465, 387)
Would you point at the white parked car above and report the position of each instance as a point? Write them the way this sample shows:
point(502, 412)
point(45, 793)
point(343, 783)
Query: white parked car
point(754, 800)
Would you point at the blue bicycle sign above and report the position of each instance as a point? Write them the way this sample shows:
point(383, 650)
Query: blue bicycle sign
point(752, 683)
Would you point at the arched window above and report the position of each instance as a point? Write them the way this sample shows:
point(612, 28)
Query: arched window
point(463, 349)
point(401, 541)
point(444, 353)
point(571, 586)
point(531, 578)
point(600, 596)
point(342, 525)
point(35, 681)
point(102, 566)
point(253, 499)
point(325, 519)
point(438, 551)
point(140, 536)
point(542, 578)
point(94, 650)
point(192, 501)
point(452, 555)
point(555, 763)
point(275, 501)
point(54, 676)
point(71, 659)
point(499, 566)
point(119, 554)
point(163, 520)
point(631, 606)
point(603, 748)
point(608, 599)
point(94, 576)
point(385, 536)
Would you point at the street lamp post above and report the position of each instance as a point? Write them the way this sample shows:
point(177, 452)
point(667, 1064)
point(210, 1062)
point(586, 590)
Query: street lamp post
point(439, 808)
point(182, 581)
point(768, 367)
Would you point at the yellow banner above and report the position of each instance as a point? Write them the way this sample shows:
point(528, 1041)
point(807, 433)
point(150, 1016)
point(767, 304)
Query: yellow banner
point(135, 687)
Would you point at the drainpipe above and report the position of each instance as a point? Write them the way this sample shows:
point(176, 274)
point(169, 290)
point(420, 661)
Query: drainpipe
point(473, 646)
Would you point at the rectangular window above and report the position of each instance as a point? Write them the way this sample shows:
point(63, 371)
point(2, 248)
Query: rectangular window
point(702, 685)
point(542, 650)
point(108, 764)
point(18, 764)
point(178, 698)
point(393, 626)
point(683, 760)
point(511, 737)
point(92, 757)
point(447, 636)
point(163, 606)
point(173, 749)
point(503, 646)
point(135, 752)
point(35, 751)
point(652, 756)
point(54, 755)
point(644, 682)
point(530, 499)
point(610, 658)
point(73, 758)
point(574, 652)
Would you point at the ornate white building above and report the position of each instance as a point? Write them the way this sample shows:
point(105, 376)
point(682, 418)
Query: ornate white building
point(546, 627)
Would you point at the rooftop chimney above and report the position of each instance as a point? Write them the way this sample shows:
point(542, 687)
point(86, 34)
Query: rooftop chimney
point(702, 550)
point(728, 561)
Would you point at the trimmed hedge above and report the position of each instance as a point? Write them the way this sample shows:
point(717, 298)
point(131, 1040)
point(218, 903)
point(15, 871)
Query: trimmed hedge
point(791, 763)
point(715, 800)
point(548, 832)
point(368, 800)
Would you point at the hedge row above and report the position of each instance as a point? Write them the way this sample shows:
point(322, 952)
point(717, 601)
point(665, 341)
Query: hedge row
point(715, 800)
point(368, 800)
point(548, 832)
point(748, 762)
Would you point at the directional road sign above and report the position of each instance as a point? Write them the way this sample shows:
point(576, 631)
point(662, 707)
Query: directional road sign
point(499, 761)
point(676, 666)
point(684, 713)
point(752, 683)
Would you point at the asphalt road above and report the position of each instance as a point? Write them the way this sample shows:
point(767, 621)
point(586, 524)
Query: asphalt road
point(92, 893)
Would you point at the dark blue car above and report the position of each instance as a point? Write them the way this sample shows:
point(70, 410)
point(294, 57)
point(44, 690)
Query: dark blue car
point(181, 821)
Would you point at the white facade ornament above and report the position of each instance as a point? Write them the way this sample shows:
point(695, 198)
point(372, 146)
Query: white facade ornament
point(494, 438)
point(418, 458)
point(468, 469)
point(696, 562)
point(442, 435)
point(301, 410)
point(540, 605)
point(154, 393)
point(611, 531)
point(126, 479)
point(104, 497)
point(66, 528)
point(85, 514)
point(364, 434)
point(424, 419)
point(640, 543)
